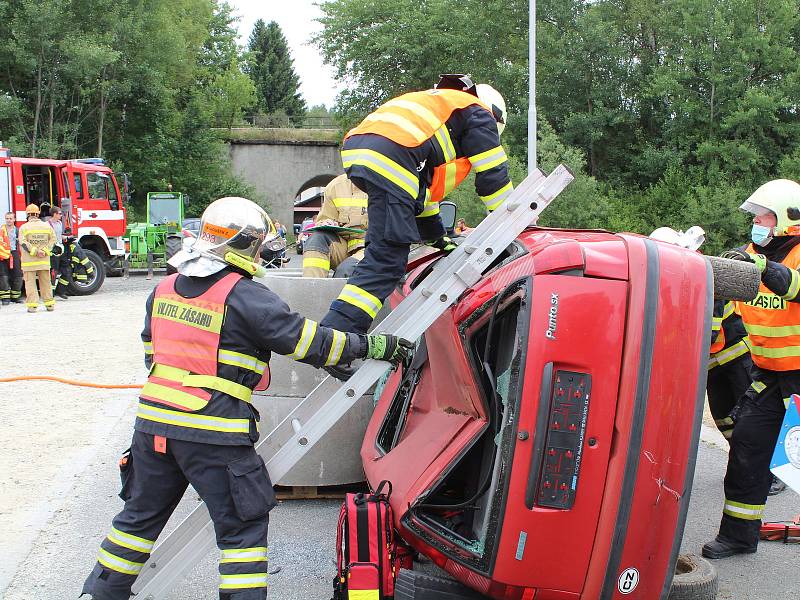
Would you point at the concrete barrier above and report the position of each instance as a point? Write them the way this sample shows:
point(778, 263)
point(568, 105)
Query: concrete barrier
point(336, 459)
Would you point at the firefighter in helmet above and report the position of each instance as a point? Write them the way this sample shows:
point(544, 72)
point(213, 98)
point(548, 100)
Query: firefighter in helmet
point(406, 156)
point(344, 205)
point(771, 321)
point(36, 241)
point(208, 335)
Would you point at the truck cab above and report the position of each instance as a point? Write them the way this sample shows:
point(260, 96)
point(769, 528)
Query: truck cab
point(87, 191)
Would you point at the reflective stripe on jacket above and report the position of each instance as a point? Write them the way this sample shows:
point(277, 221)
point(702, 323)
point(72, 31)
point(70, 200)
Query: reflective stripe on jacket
point(35, 235)
point(5, 244)
point(186, 358)
point(773, 323)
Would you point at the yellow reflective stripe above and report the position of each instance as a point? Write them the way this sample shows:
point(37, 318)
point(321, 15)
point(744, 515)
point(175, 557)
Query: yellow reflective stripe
point(777, 331)
point(37, 263)
point(354, 243)
point(148, 347)
point(785, 352)
point(245, 361)
point(337, 346)
point(237, 390)
point(306, 337)
point(786, 402)
point(243, 555)
point(360, 298)
point(115, 563)
point(450, 172)
point(728, 310)
point(794, 286)
point(177, 397)
point(363, 595)
point(320, 263)
point(489, 159)
point(187, 314)
point(184, 419)
point(383, 165)
point(132, 542)
point(758, 386)
point(748, 512)
point(492, 201)
point(445, 143)
point(716, 323)
point(728, 354)
point(350, 202)
point(244, 580)
point(421, 111)
point(429, 209)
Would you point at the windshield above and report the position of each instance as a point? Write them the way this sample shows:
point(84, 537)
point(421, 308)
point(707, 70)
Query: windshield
point(164, 208)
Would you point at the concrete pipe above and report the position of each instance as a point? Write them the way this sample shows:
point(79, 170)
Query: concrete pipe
point(336, 459)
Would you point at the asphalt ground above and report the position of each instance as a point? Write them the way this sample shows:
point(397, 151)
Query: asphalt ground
point(70, 481)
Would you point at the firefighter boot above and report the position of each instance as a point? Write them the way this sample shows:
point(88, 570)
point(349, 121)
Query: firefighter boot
point(722, 547)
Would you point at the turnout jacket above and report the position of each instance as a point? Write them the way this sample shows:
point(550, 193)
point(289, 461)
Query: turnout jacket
point(36, 235)
point(347, 205)
point(254, 323)
point(728, 335)
point(772, 318)
point(405, 140)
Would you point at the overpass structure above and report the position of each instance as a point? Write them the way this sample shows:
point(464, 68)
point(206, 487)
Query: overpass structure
point(282, 163)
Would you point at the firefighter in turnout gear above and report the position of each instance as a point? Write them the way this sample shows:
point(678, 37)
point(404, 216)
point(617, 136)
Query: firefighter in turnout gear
point(208, 335)
point(10, 269)
point(772, 321)
point(729, 366)
point(82, 268)
point(36, 241)
point(344, 205)
point(406, 156)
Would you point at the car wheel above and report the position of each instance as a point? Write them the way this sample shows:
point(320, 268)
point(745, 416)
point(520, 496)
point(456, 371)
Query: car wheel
point(695, 579)
point(173, 245)
point(94, 281)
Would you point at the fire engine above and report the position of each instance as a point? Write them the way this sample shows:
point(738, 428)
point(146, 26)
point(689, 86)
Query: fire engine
point(89, 194)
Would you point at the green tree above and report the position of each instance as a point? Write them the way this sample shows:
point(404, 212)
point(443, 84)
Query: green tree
point(232, 91)
point(271, 68)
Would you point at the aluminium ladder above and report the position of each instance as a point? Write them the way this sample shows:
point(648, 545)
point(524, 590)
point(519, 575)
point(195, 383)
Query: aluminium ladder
point(312, 418)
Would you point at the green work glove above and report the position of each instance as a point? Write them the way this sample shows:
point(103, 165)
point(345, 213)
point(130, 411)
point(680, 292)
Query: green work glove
point(391, 348)
point(444, 243)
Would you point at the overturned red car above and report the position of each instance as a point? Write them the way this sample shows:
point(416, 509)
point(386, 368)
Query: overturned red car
point(541, 441)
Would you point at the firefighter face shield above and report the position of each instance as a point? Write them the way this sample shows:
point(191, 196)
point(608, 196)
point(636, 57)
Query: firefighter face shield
point(232, 232)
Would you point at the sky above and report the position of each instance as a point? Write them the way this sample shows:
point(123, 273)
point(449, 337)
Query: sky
point(296, 18)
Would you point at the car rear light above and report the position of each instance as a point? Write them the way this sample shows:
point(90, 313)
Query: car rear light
point(561, 463)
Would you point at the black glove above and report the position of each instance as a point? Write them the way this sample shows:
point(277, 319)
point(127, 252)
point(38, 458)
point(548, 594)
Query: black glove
point(387, 347)
point(340, 372)
point(736, 254)
point(444, 243)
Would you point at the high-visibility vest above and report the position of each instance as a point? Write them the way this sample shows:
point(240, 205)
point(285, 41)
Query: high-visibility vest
point(448, 177)
point(413, 118)
point(186, 351)
point(5, 244)
point(773, 323)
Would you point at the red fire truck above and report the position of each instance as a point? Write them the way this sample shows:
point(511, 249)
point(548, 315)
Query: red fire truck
point(89, 194)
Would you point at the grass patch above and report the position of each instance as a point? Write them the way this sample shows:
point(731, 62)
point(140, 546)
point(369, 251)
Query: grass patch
point(256, 134)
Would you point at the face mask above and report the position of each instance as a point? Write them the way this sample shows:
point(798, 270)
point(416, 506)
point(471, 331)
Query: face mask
point(761, 235)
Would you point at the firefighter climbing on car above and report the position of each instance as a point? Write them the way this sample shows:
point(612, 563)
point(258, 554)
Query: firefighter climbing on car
point(772, 321)
point(208, 335)
point(406, 156)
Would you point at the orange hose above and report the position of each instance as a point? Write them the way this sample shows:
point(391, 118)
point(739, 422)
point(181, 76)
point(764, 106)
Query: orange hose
point(70, 382)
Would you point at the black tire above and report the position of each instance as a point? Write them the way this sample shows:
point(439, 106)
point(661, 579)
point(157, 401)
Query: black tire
point(299, 247)
point(173, 245)
point(734, 279)
point(695, 579)
point(413, 585)
point(95, 280)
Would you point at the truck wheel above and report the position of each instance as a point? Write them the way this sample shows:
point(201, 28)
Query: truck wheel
point(173, 245)
point(95, 279)
point(695, 579)
point(413, 585)
point(734, 279)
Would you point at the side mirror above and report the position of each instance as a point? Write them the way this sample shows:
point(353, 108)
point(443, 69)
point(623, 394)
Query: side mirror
point(447, 212)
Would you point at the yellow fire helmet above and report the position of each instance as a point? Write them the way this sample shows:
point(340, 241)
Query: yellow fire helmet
point(32, 209)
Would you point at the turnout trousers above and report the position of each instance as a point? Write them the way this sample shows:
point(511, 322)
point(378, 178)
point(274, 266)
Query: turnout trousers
point(727, 384)
point(322, 252)
point(10, 279)
point(62, 265)
point(755, 434)
point(393, 227)
point(45, 289)
point(231, 480)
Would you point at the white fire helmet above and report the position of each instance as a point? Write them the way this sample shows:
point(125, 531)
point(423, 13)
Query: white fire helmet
point(492, 98)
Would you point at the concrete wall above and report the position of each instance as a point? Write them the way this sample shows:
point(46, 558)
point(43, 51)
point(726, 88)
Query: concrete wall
point(279, 170)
